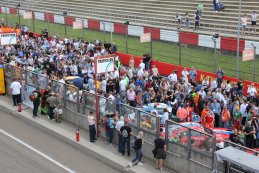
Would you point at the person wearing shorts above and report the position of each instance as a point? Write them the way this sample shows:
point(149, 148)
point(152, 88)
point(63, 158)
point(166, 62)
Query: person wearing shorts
point(244, 20)
point(159, 152)
point(253, 19)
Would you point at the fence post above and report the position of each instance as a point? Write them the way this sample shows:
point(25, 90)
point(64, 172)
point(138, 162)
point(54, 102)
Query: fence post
point(157, 126)
point(213, 151)
point(33, 18)
point(48, 24)
point(83, 101)
point(12, 73)
point(166, 134)
point(6, 18)
point(26, 76)
point(78, 100)
point(180, 49)
point(138, 119)
point(83, 29)
point(189, 144)
point(65, 95)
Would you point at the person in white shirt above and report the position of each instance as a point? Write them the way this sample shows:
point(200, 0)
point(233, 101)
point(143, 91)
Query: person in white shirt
point(130, 73)
point(154, 72)
point(141, 65)
point(132, 115)
point(214, 83)
point(254, 17)
point(123, 84)
point(165, 116)
point(173, 77)
point(140, 72)
point(244, 20)
point(16, 92)
point(243, 108)
point(252, 90)
point(185, 74)
point(202, 93)
point(116, 73)
point(103, 85)
point(92, 130)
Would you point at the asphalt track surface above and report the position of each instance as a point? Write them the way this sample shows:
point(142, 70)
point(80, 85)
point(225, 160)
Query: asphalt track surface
point(26, 149)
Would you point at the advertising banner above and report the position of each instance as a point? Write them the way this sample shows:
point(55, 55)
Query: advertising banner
point(78, 24)
point(104, 64)
point(248, 55)
point(146, 37)
point(7, 38)
point(27, 15)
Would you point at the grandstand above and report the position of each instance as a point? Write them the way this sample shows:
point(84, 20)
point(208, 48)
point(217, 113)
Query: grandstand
point(150, 13)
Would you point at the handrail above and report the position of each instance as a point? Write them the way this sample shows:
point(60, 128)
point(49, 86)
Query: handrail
point(240, 146)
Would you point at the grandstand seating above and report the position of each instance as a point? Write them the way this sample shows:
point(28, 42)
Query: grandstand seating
point(153, 13)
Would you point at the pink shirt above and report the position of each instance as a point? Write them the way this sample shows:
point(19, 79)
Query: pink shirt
point(131, 95)
point(90, 120)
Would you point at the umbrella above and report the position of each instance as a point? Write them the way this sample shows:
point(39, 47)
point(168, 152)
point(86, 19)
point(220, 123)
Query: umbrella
point(78, 82)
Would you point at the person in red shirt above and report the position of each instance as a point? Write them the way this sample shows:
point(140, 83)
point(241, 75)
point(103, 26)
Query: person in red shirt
point(189, 112)
point(209, 120)
point(182, 113)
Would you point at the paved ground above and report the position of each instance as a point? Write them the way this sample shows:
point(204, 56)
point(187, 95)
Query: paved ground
point(16, 158)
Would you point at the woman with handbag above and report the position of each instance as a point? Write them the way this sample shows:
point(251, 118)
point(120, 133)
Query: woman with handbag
point(159, 152)
point(137, 146)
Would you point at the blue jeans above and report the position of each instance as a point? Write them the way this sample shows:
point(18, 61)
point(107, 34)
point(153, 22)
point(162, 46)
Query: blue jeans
point(119, 143)
point(223, 124)
point(219, 82)
point(50, 112)
point(187, 24)
point(147, 64)
point(111, 135)
point(138, 157)
point(216, 7)
point(125, 141)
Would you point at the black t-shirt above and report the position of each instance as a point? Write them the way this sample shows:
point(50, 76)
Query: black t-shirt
point(126, 128)
point(138, 144)
point(248, 130)
point(240, 85)
point(234, 138)
point(159, 143)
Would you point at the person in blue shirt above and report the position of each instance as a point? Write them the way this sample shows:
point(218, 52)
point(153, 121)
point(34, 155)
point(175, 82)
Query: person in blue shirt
point(216, 109)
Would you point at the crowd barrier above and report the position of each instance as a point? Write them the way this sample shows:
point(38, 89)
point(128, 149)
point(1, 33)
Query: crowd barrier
point(77, 105)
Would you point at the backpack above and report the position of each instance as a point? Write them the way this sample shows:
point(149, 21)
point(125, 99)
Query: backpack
point(108, 123)
point(125, 133)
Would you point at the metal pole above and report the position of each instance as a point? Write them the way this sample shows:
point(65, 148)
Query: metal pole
point(151, 44)
point(48, 24)
point(254, 61)
point(110, 24)
point(65, 25)
point(83, 29)
point(238, 39)
point(6, 18)
point(180, 49)
point(215, 60)
point(19, 17)
point(127, 51)
point(33, 18)
point(103, 31)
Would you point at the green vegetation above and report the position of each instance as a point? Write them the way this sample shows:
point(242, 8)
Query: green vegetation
point(162, 51)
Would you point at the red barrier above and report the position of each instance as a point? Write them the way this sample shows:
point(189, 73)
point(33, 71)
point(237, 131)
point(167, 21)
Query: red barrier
point(12, 11)
point(155, 32)
point(189, 38)
point(230, 44)
point(119, 28)
point(166, 69)
point(69, 20)
point(49, 17)
point(94, 24)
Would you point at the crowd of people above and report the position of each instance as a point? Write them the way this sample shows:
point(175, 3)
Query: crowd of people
point(219, 103)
